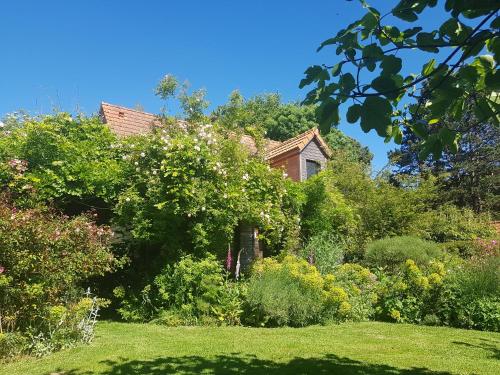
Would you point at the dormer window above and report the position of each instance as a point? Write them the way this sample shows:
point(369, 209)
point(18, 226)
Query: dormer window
point(313, 167)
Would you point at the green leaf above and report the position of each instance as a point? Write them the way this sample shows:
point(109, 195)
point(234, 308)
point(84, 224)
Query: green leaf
point(408, 33)
point(390, 65)
point(313, 74)
point(376, 114)
point(347, 83)
point(492, 80)
point(336, 69)
point(429, 67)
point(388, 86)
point(353, 113)
point(371, 54)
point(420, 128)
point(426, 42)
point(328, 114)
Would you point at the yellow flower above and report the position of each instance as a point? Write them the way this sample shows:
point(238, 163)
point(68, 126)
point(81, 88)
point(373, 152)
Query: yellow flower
point(344, 308)
point(395, 314)
point(435, 279)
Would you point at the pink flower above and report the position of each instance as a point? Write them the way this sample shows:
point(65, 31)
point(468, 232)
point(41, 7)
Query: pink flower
point(2, 269)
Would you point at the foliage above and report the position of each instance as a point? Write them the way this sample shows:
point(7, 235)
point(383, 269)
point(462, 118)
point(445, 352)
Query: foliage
point(412, 294)
point(468, 177)
point(325, 210)
point(371, 72)
point(70, 161)
point(293, 292)
point(189, 292)
point(392, 252)
point(324, 252)
point(449, 223)
point(267, 115)
point(44, 259)
point(188, 187)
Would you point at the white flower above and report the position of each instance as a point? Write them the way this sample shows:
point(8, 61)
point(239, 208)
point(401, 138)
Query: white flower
point(197, 148)
point(154, 171)
point(225, 195)
point(285, 175)
point(143, 154)
point(189, 214)
point(246, 177)
point(203, 208)
point(127, 199)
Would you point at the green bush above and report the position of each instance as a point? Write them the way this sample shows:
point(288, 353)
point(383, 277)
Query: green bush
point(450, 223)
point(472, 295)
point(44, 259)
point(294, 293)
point(190, 292)
point(412, 294)
point(392, 252)
point(325, 252)
point(12, 345)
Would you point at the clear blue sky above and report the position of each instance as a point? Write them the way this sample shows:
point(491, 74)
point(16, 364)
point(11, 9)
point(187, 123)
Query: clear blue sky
point(71, 55)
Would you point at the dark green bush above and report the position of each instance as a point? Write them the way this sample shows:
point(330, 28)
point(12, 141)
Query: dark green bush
point(190, 292)
point(392, 252)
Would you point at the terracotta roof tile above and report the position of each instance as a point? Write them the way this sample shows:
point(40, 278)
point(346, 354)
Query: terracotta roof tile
point(298, 143)
point(125, 121)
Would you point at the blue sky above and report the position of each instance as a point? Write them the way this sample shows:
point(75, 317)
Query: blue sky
point(71, 55)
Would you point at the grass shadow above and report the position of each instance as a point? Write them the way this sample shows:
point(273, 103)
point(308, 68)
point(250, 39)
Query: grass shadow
point(491, 346)
point(238, 363)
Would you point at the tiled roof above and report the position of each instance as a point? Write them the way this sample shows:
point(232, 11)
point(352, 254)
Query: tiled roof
point(299, 143)
point(125, 121)
point(249, 142)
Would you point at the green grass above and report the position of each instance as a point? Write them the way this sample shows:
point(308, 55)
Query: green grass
point(357, 348)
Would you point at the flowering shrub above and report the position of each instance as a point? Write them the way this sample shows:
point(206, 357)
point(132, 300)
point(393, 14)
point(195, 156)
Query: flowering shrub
point(44, 257)
point(293, 292)
point(189, 292)
point(71, 161)
point(411, 294)
point(189, 186)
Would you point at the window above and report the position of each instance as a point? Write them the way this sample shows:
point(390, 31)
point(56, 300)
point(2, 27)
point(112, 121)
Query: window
point(312, 167)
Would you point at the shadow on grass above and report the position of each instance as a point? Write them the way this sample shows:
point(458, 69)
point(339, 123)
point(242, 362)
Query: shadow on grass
point(491, 346)
point(238, 363)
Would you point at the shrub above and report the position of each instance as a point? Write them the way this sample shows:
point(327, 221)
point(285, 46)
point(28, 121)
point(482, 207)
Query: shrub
point(44, 259)
point(471, 298)
point(189, 292)
point(294, 293)
point(392, 252)
point(412, 294)
point(450, 223)
point(360, 285)
point(324, 252)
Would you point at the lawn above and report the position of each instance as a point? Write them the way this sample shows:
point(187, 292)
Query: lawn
point(357, 348)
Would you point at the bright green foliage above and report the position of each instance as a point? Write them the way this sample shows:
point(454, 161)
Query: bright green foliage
point(324, 251)
point(391, 252)
point(325, 209)
point(188, 187)
point(190, 292)
point(450, 223)
point(293, 292)
point(371, 72)
point(44, 260)
point(268, 115)
point(412, 294)
point(71, 161)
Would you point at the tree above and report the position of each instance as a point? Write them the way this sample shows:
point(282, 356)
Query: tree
point(281, 121)
point(385, 98)
point(469, 177)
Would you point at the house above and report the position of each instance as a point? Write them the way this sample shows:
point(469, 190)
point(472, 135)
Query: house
point(300, 157)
